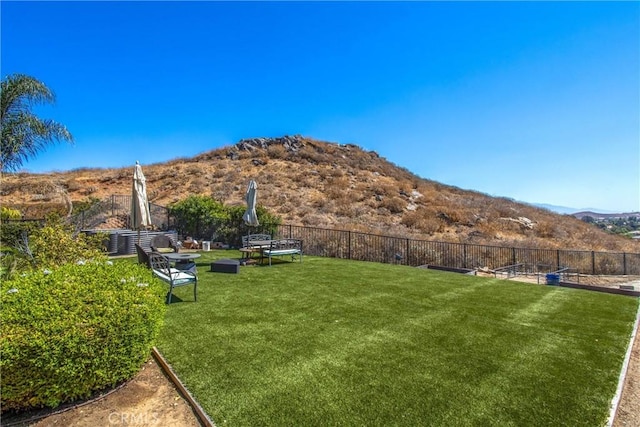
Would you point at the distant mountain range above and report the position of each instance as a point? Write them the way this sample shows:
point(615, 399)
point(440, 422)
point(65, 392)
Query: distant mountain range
point(580, 213)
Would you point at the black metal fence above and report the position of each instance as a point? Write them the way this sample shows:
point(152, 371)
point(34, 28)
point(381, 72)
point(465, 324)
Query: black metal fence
point(119, 206)
point(396, 250)
point(386, 249)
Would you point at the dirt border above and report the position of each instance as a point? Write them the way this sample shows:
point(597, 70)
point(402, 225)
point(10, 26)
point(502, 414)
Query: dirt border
point(150, 398)
point(202, 416)
point(41, 414)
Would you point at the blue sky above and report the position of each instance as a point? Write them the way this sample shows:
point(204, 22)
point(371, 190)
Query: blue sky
point(536, 101)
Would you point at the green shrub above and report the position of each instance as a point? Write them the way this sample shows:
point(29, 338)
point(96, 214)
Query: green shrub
point(29, 245)
point(11, 232)
point(196, 214)
point(56, 244)
point(234, 227)
point(84, 205)
point(203, 217)
point(13, 246)
point(8, 213)
point(68, 332)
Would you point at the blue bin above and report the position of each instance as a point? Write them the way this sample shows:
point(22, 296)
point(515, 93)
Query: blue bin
point(553, 279)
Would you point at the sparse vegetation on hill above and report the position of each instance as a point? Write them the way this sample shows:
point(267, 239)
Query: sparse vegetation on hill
point(315, 183)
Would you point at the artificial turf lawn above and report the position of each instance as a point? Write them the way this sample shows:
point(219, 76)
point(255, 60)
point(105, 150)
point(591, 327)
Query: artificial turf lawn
point(337, 342)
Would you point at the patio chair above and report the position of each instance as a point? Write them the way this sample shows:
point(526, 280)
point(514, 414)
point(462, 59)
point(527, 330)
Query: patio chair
point(143, 256)
point(161, 268)
point(162, 242)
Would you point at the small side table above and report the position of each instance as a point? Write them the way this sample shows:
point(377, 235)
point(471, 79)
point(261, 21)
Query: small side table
point(226, 266)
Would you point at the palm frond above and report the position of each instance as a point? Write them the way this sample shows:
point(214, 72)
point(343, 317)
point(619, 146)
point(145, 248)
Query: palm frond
point(23, 133)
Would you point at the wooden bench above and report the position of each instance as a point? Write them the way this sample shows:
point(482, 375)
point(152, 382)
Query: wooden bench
point(283, 247)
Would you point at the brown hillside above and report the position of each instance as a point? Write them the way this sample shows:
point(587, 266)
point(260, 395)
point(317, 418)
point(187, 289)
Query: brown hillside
point(321, 184)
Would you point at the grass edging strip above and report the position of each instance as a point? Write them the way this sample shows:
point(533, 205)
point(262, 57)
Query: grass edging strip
point(615, 402)
point(197, 409)
point(615, 291)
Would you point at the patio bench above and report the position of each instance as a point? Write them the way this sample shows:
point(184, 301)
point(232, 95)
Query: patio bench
point(254, 243)
point(283, 247)
point(247, 240)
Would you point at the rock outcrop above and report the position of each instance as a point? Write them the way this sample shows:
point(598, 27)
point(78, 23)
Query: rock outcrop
point(290, 143)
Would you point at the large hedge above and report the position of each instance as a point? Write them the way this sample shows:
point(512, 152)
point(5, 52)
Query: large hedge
point(68, 332)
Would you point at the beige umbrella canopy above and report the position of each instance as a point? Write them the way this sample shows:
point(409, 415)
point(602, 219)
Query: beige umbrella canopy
point(140, 215)
point(250, 217)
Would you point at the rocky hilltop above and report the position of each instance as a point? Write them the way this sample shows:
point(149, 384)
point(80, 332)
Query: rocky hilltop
point(321, 184)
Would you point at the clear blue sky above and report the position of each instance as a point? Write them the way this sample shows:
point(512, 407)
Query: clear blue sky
point(536, 101)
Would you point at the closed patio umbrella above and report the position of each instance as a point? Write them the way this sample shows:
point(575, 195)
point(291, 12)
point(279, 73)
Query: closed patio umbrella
point(250, 217)
point(140, 215)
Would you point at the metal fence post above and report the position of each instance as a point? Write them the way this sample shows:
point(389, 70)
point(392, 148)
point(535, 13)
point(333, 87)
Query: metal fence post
point(406, 257)
point(593, 262)
point(349, 245)
point(464, 255)
point(624, 263)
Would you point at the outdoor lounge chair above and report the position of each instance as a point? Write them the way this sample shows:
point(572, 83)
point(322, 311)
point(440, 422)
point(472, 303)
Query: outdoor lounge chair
point(162, 242)
point(161, 268)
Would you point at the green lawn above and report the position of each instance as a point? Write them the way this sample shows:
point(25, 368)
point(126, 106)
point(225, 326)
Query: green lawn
point(336, 342)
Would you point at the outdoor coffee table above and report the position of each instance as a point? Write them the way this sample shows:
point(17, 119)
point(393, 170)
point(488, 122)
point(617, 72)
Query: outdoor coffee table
point(183, 261)
point(226, 266)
